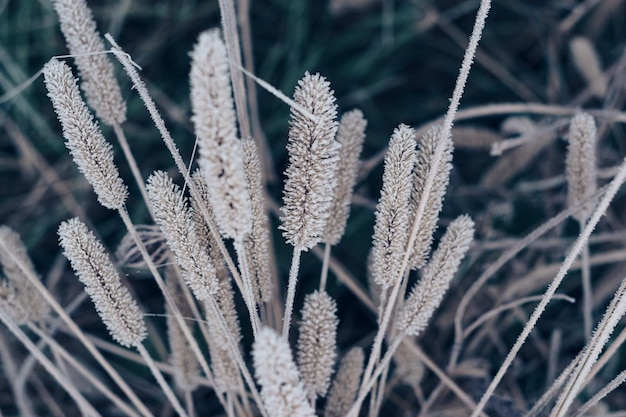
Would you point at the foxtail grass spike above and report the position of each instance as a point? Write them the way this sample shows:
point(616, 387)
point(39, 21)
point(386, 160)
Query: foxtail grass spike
point(281, 389)
point(95, 69)
point(346, 384)
point(117, 308)
point(580, 163)
point(391, 230)
point(317, 343)
point(428, 293)
point(434, 200)
point(313, 161)
point(90, 150)
point(350, 135)
point(221, 156)
point(176, 222)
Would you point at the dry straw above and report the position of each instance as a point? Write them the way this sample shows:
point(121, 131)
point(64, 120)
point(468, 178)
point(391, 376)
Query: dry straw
point(90, 150)
point(392, 212)
point(317, 343)
point(94, 67)
point(346, 384)
point(176, 222)
point(117, 308)
point(281, 389)
point(221, 156)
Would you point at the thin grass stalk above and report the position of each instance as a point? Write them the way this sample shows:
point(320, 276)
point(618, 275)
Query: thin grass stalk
point(614, 312)
point(231, 36)
point(613, 187)
point(249, 298)
point(587, 292)
point(139, 85)
point(606, 390)
point(132, 164)
point(67, 385)
point(291, 291)
point(84, 372)
point(175, 311)
point(437, 160)
point(80, 335)
point(22, 401)
point(325, 263)
point(161, 381)
point(608, 354)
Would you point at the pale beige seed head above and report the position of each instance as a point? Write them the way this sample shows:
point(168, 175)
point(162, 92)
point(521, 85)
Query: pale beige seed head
point(391, 230)
point(282, 392)
point(26, 299)
point(117, 308)
point(346, 384)
point(436, 275)
point(350, 135)
point(90, 150)
point(175, 220)
point(95, 70)
point(257, 241)
point(580, 163)
point(221, 156)
point(182, 358)
point(317, 342)
point(434, 200)
point(587, 62)
point(313, 160)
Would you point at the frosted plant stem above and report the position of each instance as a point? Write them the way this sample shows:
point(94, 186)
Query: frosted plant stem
point(445, 131)
point(67, 385)
point(189, 403)
point(587, 291)
point(325, 263)
point(161, 381)
point(71, 324)
point(174, 308)
point(569, 260)
point(613, 315)
point(212, 304)
point(611, 386)
point(291, 291)
point(139, 85)
point(231, 36)
point(88, 375)
point(247, 293)
point(132, 163)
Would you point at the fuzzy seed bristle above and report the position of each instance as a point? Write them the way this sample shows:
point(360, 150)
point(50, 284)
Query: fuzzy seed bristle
point(344, 389)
